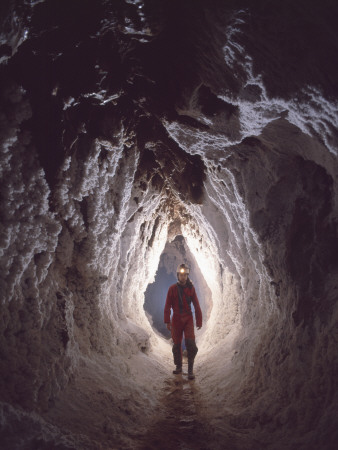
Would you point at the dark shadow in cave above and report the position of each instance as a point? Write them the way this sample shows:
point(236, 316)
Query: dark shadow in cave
point(154, 299)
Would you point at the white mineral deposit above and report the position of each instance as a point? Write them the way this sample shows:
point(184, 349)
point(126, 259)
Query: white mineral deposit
point(139, 134)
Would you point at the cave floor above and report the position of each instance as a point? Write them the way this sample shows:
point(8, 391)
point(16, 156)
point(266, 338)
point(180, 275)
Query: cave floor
point(102, 411)
point(185, 423)
point(181, 427)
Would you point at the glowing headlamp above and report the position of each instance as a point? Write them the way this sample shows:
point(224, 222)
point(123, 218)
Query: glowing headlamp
point(182, 268)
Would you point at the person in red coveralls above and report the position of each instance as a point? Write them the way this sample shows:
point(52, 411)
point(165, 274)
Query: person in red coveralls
point(179, 298)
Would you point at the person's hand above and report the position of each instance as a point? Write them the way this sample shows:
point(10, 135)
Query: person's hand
point(169, 326)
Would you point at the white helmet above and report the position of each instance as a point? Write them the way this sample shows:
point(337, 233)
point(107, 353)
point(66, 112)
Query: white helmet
point(182, 268)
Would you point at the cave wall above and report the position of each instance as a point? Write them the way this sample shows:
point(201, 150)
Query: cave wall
point(65, 271)
point(288, 318)
point(166, 125)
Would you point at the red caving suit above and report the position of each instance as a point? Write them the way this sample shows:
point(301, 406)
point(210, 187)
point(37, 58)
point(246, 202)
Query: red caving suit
point(182, 320)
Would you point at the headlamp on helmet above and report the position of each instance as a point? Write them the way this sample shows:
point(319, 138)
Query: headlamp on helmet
point(182, 268)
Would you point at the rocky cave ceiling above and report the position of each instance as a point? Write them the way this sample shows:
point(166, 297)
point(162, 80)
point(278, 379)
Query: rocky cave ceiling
point(136, 132)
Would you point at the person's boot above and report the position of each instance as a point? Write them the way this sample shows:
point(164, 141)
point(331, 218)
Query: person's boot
point(191, 375)
point(192, 351)
point(177, 352)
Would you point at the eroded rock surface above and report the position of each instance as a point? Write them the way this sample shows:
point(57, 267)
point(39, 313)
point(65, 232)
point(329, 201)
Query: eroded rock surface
point(125, 125)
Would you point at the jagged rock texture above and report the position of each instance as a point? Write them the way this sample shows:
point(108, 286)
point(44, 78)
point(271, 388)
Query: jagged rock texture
point(123, 125)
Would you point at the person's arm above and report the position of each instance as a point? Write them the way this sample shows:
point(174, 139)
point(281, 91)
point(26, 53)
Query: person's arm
point(198, 312)
point(167, 310)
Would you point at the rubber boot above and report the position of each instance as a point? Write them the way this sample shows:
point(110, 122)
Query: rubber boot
point(191, 375)
point(192, 351)
point(177, 352)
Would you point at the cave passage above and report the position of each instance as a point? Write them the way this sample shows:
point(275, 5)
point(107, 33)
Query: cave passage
point(139, 134)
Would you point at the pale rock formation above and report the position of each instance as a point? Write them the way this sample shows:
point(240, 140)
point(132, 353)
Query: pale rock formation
point(124, 126)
